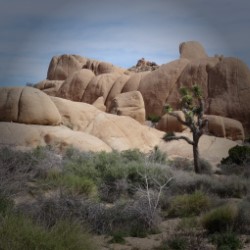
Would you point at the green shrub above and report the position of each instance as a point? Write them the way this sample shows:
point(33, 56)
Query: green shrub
point(188, 182)
point(243, 218)
point(221, 219)
point(5, 204)
point(226, 241)
point(117, 237)
point(18, 232)
point(238, 155)
point(189, 204)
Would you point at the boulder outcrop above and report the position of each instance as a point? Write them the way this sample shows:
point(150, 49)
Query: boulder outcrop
point(27, 105)
point(129, 104)
point(169, 123)
point(225, 82)
point(225, 127)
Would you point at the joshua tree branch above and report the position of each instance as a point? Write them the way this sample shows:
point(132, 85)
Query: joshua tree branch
point(171, 138)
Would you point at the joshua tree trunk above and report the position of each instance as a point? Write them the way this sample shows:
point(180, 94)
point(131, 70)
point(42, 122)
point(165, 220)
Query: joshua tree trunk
point(197, 168)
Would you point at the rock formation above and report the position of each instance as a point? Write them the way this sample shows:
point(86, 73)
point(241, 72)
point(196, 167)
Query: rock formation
point(129, 104)
point(71, 123)
point(225, 82)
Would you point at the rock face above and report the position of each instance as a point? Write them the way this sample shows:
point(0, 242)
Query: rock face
point(170, 123)
point(27, 105)
point(129, 104)
point(225, 82)
point(225, 127)
point(81, 125)
point(192, 50)
point(61, 67)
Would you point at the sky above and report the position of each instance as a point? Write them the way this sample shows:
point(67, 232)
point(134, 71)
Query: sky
point(115, 31)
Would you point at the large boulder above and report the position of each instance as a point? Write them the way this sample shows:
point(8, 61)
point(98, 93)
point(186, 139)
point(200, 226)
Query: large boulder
point(129, 104)
point(192, 50)
point(116, 89)
point(61, 67)
point(27, 105)
point(99, 86)
point(228, 89)
point(50, 87)
point(156, 86)
point(74, 86)
point(169, 123)
point(25, 135)
point(225, 127)
point(119, 132)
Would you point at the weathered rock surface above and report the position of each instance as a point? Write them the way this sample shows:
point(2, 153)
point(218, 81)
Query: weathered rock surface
point(225, 82)
point(75, 85)
point(156, 86)
point(192, 50)
point(27, 105)
point(129, 104)
point(169, 123)
point(225, 127)
point(23, 135)
point(212, 148)
point(61, 67)
point(50, 87)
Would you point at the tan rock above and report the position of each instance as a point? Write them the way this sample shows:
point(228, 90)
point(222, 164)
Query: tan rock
point(16, 134)
point(50, 87)
point(75, 115)
point(229, 91)
point(116, 89)
point(99, 103)
point(123, 133)
point(156, 86)
point(99, 86)
point(212, 148)
point(74, 86)
point(27, 105)
point(192, 50)
point(134, 82)
point(169, 123)
point(225, 127)
point(129, 104)
point(119, 132)
point(63, 66)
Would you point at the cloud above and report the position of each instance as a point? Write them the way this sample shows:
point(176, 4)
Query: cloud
point(115, 30)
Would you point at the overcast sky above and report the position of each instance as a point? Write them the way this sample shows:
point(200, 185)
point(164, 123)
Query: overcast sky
point(116, 31)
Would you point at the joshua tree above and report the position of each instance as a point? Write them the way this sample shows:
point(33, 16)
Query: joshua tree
point(192, 106)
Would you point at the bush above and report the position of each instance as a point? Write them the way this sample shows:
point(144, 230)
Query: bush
point(188, 182)
point(18, 232)
point(189, 204)
point(243, 218)
point(6, 204)
point(226, 241)
point(238, 155)
point(221, 219)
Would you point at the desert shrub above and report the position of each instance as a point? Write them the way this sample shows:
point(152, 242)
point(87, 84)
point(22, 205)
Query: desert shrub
point(243, 218)
point(226, 241)
point(206, 167)
point(182, 164)
point(18, 167)
point(157, 156)
point(238, 155)
point(6, 204)
point(117, 237)
point(19, 232)
point(189, 204)
point(192, 240)
point(221, 219)
point(188, 165)
point(186, 182)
